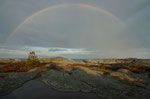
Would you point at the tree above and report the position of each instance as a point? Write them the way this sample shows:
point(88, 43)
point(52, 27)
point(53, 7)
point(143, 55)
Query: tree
point(32, 59)
point(32, 55)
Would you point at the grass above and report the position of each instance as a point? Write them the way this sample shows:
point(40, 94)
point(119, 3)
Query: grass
point(100, 69)
point(124, 77)
point(93, 67)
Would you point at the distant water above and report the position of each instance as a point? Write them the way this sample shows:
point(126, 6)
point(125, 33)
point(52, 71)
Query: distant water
point(37, 90)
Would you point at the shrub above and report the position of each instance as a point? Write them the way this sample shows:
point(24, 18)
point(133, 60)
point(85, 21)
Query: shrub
point(31, 62)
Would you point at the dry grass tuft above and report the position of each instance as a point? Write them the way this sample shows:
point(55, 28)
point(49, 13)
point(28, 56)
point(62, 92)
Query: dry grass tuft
point(125, 77)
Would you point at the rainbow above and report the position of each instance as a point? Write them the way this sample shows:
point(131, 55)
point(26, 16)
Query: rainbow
point(62, 5)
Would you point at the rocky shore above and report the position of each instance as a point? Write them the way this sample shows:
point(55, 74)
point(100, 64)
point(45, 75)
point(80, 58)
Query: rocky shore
point(61, 76)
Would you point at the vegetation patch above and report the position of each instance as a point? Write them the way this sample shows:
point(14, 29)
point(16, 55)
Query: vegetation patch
point(106, 68)
point(22, 66)
point(18, 67)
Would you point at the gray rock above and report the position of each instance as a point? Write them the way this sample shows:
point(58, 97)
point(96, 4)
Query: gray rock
point(11, 81)
point(85, 80)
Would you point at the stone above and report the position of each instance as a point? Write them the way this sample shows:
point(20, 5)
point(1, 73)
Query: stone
point(85, 80)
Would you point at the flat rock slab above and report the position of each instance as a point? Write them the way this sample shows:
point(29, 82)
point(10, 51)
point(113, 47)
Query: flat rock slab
point(85, 80)
point(11, 81)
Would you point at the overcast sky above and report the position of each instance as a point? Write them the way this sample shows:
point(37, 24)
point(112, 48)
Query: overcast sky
point(75, 30)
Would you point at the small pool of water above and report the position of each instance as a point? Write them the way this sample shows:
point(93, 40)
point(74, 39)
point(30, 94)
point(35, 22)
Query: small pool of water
point(37, 90)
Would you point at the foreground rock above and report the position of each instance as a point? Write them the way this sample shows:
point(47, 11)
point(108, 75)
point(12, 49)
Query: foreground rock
point(85, 80)
point(11, 81)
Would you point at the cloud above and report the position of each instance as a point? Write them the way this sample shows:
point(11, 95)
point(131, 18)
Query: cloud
point(76, 31)
point(70, 27)
point(57, 49)
point(41, 51)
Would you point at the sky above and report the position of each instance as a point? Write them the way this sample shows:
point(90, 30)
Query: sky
point(75, 28)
